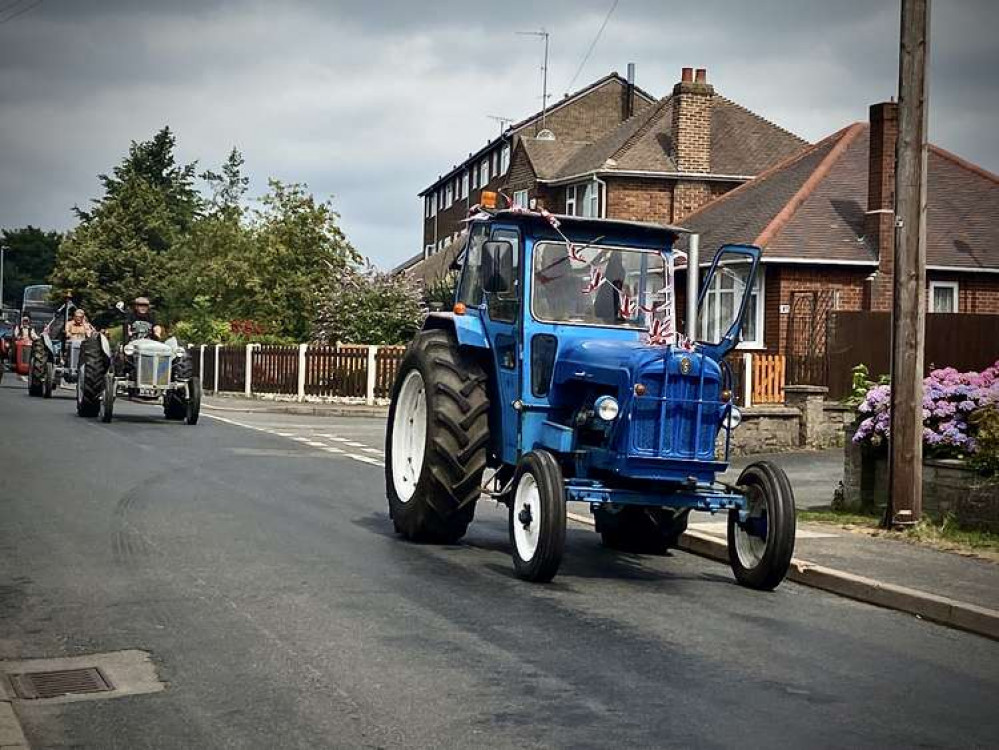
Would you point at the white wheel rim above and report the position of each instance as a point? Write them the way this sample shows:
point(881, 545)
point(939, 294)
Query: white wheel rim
point(79, 384)
point(409, 436)
point(527, 500)
point(748, 547)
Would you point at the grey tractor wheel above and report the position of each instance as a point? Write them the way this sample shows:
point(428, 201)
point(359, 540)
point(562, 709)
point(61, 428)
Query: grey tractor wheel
point(38, 368)
point(436, 442)
point(90, 378)
point(107, 398)
point(193, 403)
point(641, 529)
point(50, 383)
point(175, 402)
point(537, 517)
point(760, 548)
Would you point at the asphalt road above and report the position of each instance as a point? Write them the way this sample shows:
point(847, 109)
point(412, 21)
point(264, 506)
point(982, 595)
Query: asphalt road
point(261, 572)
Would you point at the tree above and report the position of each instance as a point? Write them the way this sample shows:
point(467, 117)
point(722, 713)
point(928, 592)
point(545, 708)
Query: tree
point(121, 247)
point(366, 306)
point(29, 258)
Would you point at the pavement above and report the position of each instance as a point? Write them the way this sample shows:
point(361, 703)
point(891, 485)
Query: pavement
point(252, 559)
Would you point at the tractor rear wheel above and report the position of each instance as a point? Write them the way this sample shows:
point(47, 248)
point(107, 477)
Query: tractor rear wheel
point(760, 548)
point(192, 406)
point(39, 368)
point(641, 529)
point(537, 517)
point(175, 402)
point(93, 365)
point(435, 445)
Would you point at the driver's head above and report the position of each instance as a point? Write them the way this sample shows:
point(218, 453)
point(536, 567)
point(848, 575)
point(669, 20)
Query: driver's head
point(141, 305)
point(25, 320)
point(78, 315)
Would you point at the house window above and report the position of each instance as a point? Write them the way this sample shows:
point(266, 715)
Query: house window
point(719, 301)
point(943, 297)
point(464, 184)
point(583, 200)
point(505, 159)
point(484, 172)
point(496, 165)
point(429, 202)
point(520, 198)
point(450, 195)
point(428, 251)
point(440, 199)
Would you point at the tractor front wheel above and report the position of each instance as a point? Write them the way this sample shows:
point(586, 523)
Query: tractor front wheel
point(192, 405)
point(107, 399)
point(537, 517)
point(435, 445)
point(760, 548)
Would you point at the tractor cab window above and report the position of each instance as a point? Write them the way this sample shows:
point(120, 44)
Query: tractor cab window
point(470, 291)
point(596, 285)
point(723, 300)
point(504, 305)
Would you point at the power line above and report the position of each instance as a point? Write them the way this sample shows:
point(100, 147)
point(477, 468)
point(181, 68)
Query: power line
point(20, 12)
point(592, 45)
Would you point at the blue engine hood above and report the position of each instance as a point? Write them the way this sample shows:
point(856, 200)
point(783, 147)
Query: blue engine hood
point(618, 363)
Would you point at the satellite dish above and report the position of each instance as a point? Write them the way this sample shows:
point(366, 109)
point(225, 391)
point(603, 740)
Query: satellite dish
point(545, 135)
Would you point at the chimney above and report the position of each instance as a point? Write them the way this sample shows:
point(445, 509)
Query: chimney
point(879, 221)
point(629, 93)
point(691, 124)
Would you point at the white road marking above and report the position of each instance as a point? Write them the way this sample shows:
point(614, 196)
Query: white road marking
point(307, 440)
point(373, 450)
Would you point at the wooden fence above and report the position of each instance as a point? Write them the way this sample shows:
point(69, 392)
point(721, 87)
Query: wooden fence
point(962, 341)
point(768, 378)
point(275, 369)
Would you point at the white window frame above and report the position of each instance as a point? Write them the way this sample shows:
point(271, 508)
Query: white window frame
point(464, 184)
point(952, 285)
point(496, 163)
point(759, 291)
point(583, 196)
point(484, 172)
point(505, 158)
point(428, 250)
point(521, 198)
point(449, 192)
point(570, 200)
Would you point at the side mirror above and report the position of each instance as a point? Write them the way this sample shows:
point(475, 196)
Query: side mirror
point(497, 266)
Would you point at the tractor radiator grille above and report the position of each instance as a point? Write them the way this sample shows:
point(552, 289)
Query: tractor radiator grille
point(154, 370)
point(665, 421)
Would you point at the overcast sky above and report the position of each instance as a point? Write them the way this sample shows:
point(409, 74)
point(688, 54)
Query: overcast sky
point(368, 102)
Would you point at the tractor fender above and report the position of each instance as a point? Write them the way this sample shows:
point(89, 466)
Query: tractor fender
point(468, 328)
point(105, 345)
point(47, 341)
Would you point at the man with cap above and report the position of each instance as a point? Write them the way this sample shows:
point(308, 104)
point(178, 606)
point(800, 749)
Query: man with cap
point(141, 312)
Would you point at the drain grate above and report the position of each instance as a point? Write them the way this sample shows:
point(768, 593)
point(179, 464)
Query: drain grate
point(32, 685)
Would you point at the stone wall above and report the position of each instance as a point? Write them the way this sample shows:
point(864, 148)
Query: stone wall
point(765, 429)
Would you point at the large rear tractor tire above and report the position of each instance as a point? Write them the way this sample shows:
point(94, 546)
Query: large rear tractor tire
point(436, 442)
point(39, 368)
point(537, 517)
point(641, 529)
point(93, 366)
point(760, 548)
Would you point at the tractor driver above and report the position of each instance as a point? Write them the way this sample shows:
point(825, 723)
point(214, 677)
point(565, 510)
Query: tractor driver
point(25, 331)
point(141, 312)
point(78, 327)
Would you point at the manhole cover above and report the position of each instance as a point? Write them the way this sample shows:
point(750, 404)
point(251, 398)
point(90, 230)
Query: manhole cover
point(33, 685)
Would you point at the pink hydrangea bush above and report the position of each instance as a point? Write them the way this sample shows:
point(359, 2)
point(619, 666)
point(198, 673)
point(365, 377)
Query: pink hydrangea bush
point(950, 400)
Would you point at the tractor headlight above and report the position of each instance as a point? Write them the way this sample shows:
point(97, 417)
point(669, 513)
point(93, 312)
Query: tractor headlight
point(734, 417)
point(606, 408)
point(129, 349)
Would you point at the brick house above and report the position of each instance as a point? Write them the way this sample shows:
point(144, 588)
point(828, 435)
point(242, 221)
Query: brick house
point(610, 150)
point(825, 221)
point(580, 118)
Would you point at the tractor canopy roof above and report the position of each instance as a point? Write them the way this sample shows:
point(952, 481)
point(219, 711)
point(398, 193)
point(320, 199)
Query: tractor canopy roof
point(578, 228)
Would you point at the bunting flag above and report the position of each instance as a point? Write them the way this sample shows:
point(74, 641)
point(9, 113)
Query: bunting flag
point(574, 253)
point(553, 221)
point(684, 343)
point(660, 333)
point(627, 306)
point(596, 280)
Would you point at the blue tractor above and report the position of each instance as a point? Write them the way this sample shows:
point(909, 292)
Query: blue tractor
point(560, 376)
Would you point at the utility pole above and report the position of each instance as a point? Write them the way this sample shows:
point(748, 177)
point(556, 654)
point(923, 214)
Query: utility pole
point(905, 478)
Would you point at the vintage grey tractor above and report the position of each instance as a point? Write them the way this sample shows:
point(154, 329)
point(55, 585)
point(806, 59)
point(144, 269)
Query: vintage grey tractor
point(143, 370)
point(560, 376)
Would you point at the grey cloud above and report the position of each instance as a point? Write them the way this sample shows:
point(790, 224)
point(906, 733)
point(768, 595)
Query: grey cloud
point(369, 102)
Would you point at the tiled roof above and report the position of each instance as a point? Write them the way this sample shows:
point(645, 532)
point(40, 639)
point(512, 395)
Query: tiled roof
point(547, 157)
point(812, 207)
point(742, 143)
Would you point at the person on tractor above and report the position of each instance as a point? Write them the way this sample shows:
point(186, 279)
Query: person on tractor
point(141, 313)
point(78, 328)
point(25, 332)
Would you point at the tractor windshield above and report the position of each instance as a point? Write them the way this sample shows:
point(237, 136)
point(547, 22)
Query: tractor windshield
point(593, 285)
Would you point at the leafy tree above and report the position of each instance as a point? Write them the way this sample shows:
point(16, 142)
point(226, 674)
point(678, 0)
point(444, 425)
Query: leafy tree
point(121, 247)
point(29, 258)
point(366, 306)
